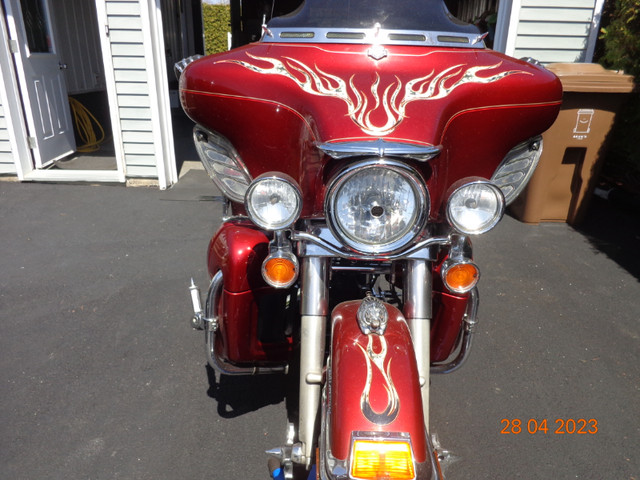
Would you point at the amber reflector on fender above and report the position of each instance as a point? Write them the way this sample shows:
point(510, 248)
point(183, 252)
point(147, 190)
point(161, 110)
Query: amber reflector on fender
point(280, 272)
point(461, 277)
point(374, 460)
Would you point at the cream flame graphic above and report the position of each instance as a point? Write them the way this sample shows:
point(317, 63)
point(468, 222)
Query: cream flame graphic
point(390, 413)
point(390, 104)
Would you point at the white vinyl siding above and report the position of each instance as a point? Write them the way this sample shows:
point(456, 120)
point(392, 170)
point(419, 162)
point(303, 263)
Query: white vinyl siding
point(556, 30)
point(132, 76)
point(6, 155)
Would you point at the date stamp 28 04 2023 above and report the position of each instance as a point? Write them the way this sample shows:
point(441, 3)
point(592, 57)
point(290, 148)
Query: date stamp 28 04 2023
point(557, 426)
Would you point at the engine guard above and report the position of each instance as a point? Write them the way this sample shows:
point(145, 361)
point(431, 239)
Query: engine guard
point(253, 316)
point(372, 390)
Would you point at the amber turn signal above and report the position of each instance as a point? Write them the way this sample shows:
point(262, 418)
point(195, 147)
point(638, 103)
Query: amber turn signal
point(372, 460)
point(280, 271)
point(460, 277)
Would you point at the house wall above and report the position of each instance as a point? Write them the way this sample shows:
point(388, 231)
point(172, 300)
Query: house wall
point(130, 40)
point(6, 156)
point(132, 78)
point(556, 30)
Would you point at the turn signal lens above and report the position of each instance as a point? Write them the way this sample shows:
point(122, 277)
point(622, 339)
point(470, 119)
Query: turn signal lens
point(372, 460)
point(460, 277)
point(280, 271)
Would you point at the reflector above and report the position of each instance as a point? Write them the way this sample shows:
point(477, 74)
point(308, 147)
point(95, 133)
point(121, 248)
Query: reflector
point(373, 460)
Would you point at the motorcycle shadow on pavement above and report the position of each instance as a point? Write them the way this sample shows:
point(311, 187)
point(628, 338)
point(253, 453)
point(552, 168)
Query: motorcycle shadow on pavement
point(238, 395)
point(613, 228)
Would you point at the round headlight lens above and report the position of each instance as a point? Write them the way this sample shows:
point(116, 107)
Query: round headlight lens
point(273, 202)
point(376, 207)
point(475, 208)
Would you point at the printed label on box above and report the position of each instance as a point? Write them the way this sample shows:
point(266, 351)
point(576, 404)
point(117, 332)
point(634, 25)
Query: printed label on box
point(583, 123)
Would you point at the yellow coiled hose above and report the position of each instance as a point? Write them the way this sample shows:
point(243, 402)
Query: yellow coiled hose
point(84, 121)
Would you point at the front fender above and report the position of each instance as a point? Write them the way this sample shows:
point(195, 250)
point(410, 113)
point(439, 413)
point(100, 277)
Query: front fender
point(373, 384)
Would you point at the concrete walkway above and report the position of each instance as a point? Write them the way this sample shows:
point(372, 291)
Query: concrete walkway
point(102, 378)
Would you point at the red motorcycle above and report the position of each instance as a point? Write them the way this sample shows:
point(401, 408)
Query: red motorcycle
point(359, 145)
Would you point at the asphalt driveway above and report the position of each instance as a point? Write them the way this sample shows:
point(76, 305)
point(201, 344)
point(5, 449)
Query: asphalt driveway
point(102, 378)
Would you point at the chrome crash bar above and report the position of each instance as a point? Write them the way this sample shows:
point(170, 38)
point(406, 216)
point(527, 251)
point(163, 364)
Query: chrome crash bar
point(207, 320)
point(470, 322)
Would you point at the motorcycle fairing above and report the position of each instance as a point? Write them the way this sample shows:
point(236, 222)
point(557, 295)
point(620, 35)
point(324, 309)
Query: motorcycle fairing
point(369, 98)
point(373, 383)
point(287, 98)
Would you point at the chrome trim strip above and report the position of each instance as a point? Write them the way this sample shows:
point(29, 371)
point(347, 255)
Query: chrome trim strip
point(313, 245)
point(211, 313)
point(470, 322)
point(373, 36)
point(381, 148)
point(379, 269)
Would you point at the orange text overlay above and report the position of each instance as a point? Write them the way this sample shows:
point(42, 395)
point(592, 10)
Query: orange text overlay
point(558, 426)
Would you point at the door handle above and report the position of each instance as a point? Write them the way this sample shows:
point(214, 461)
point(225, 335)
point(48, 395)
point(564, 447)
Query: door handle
point(62, 66)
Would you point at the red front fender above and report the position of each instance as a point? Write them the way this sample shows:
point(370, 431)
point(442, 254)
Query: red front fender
point(374, 384)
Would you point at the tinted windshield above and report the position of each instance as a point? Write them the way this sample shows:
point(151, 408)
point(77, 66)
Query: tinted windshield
point(429, 15)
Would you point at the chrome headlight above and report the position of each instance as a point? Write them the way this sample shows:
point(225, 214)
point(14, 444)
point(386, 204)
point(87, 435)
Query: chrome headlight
point(377, 206)
point(222, 163)
point(273, 201)
point(517, 167)
point(475, 207)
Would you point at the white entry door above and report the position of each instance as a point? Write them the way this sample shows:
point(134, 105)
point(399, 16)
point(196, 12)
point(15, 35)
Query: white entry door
point(41, 78)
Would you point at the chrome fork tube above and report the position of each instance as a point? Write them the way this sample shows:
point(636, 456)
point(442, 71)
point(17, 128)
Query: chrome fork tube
point(314, 311)
point(417, 311)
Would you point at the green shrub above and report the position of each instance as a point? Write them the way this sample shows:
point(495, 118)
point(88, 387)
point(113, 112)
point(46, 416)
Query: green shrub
point(620, 37)
point(217, 23)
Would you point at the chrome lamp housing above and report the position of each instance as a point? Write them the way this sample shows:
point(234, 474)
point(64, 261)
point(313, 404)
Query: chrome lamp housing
point(273, 201)
point(377, 206)
point(475, 206)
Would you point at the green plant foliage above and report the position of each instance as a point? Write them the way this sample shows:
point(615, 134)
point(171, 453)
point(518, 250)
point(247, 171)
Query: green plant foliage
point(217, 23)
point(620, 36)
